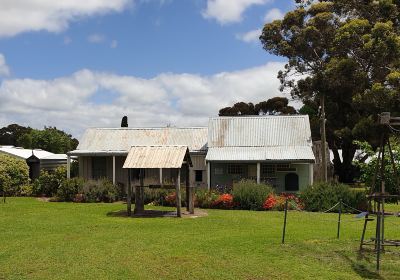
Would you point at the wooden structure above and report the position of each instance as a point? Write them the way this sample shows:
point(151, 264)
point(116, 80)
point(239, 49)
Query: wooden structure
point(142, 158)
point(378, 194)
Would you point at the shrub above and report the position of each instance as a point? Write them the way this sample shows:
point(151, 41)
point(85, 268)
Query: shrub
point(14, 173)
point(277, 202)
point(69, 189)
point(25, 190)
point(224, 201)
point(48, 182)
point(99, 191)
point(322, 196)
point(249, 195)
point(205, 198)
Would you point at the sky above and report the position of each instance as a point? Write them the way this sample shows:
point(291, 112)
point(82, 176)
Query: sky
point(77, 64)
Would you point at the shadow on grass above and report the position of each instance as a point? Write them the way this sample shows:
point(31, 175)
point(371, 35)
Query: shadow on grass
point(361, 269)
point(145, 214)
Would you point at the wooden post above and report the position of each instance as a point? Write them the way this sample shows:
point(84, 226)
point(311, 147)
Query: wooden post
point(284, 222)
point(68, 166)
point(139, 199)
point(208, 175)
point(113, 170)
point(190, 190)
point(339, 218)
point(129, 195)
point(187, 187)
point(178, 192)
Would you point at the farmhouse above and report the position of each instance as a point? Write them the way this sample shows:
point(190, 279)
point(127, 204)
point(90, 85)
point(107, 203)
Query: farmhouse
point(272, 149)
point(36, 159)
point(102, 152)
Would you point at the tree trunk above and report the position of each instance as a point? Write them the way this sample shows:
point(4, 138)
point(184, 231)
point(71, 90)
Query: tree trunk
point(344, 168)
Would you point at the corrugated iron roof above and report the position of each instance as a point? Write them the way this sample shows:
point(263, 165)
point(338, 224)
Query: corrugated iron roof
point(156, 157)
point(98, 140)
point(26, 153)
point(259, 131)
point(291, 153)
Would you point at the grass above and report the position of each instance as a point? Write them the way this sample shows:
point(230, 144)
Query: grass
point(45, 240)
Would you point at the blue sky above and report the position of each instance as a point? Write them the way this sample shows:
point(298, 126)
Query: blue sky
point(81, 64)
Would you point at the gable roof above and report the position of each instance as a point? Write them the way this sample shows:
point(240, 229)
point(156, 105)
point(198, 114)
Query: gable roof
point(120, 140)
point(156, 157)
point(260, 138)
point(26, 153)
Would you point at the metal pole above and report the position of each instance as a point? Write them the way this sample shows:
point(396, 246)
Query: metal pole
point(284, 222)
point(339, 218)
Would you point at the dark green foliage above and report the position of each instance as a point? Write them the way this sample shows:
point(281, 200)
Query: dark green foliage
point(99, 191)
point(322, 196)
point(14, 175)
point(274, 106)
point(349, 52)
point(68, 189)
point(9, 135)
point(368, 169)
point(51, 139)
point(48, 183)
point(248, 195)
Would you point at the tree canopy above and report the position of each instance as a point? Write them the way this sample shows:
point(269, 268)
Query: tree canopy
point(348, 52)
point(273, 106)
point(50, 138)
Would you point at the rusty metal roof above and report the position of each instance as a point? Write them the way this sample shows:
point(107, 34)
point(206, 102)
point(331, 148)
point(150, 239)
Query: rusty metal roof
point(291, 153)
point(259, 131)
point(260, 138)
point(156, 157)
point(120, 140)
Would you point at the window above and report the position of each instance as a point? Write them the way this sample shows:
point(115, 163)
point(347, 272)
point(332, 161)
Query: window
point(219, 171)
point(284, 167)
point(268, 170)
point(99, 167)
point(198, 175)
point(235, 169)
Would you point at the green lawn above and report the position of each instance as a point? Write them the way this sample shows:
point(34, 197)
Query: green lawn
point(45, 240)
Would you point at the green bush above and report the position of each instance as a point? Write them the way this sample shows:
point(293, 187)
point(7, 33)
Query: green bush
point(322, 196)
point(249, 195)
point(69, 189)
point(48, 182)
point(14, 173)
point(205, 198)
point(99, 191)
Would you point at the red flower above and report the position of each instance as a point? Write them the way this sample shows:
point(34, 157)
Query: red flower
point(224, 201)
point(270, 202)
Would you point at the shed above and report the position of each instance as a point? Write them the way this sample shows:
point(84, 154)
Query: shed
point(157, 157)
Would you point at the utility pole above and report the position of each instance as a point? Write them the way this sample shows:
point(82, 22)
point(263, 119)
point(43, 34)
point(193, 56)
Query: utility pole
point(323, 140)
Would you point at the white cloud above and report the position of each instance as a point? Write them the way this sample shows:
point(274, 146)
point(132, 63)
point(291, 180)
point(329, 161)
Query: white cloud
point(4, 69)
point(180, 99)
point(17, 16)
point(114, 44)
point(273, 14)
point(250, 37)
point(229, 11)
point(96, 38)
